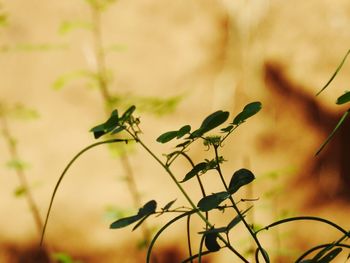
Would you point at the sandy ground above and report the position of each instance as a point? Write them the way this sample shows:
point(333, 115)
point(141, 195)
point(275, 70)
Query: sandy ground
point(209, 51)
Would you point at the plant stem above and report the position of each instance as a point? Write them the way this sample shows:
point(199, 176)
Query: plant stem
point(236, 208)
point(188, 223)
point(21, 176)
point(64, 173)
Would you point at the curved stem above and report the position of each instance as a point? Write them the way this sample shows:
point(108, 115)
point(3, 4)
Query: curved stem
point(192, 163)
point(189, 236)
point(150, 247)
point(251, 232)
point(64, 173)
point(200, 249)
point(302, 218)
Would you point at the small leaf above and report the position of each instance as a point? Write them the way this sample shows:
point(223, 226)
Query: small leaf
point(331, 255)
point(239, 179)
point(211, 243)
point(20, 191)
point(181, 145)
point(166, 137)
point(184, 130)
point(17, 164)
point(118, 129)
point(148, 209)
point(227, 129)
point(126, 115)
point(168, 205)
point(112, 122)
point(343, 98)
point(214, 230)
point(195, 170)
point(211, 122)
point(106, 127)
point(248, 111)
point(210, 202)
point(215, 119)
point(123, 222)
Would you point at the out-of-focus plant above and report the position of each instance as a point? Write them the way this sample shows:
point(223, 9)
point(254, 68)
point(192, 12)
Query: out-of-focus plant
point(101, 78)
point(213, 238)
point(16, 163)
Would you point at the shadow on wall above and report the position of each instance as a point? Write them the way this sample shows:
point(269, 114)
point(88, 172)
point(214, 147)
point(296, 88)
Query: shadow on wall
point(329, 172)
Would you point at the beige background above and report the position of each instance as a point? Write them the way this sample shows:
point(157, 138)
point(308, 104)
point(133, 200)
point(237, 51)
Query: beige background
point(212, 52)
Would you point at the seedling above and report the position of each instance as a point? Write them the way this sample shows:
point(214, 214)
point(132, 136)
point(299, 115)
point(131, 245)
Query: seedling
point(213, 238)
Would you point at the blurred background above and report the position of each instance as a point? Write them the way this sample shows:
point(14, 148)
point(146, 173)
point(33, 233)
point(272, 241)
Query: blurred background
point(66, 64)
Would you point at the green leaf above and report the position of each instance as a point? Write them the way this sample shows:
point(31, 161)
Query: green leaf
point(239, 179)
point(20, 191)
point(166, 137)
point(123, 222)
point(168, 205)
point(148, 209)
point(343, 98)
point(184, 144)
point(214, 230)
point(106, 127)
point(126, 115)
point(17, 164)
point(212, 201)
point(195, 170)
point(331, 255)
point(69, 77)
point(248, 111)
point(184, 130)
point(211, 122)
point(211, 242)
point(214, 120)
point(227, 129)
point(67, 26)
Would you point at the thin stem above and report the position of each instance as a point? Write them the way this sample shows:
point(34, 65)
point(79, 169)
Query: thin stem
point(21, 176)
point(192, 163)
point(64, 173)
point(196, 256)
point(236, 208)
point(200, 249)
point(304, 218)
point(188, 223)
